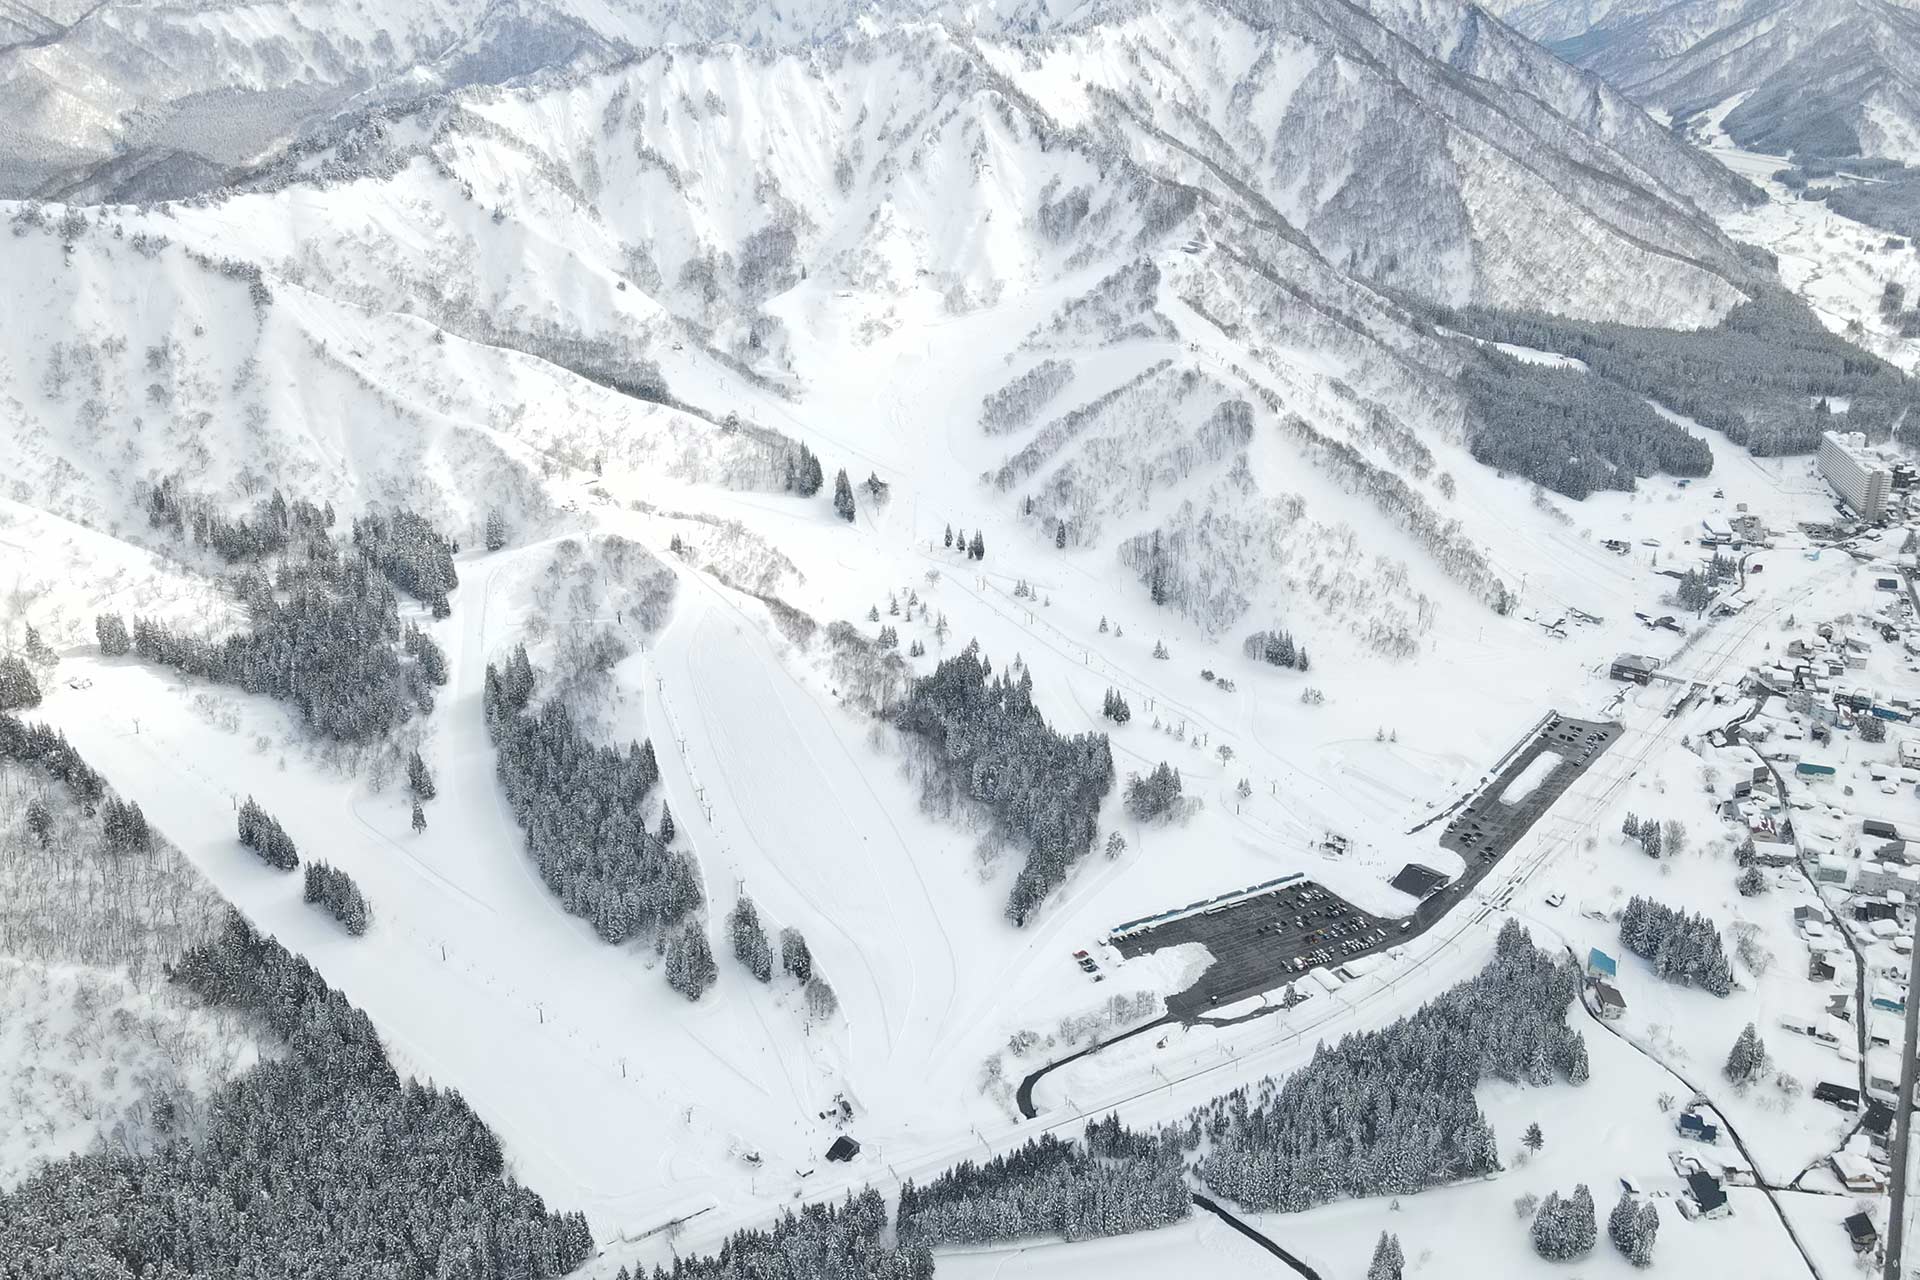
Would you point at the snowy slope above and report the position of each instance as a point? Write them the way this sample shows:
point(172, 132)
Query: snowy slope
point(607, 298)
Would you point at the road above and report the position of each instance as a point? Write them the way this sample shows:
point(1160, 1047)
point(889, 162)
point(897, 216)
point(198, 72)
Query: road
point(1903, 1126)
point(1213, 1207)
point(1262, 942)
point(1766, 1188)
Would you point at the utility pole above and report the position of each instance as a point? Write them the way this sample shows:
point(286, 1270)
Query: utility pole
point(1903, 1123)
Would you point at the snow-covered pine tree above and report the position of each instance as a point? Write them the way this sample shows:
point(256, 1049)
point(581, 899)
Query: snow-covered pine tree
point(750, 945)
point(18, 688)
point(419, 777)
point(795, 958)
point(690, 967)
point(1389, 1263)
point(1641, 1254)
point(843, 496)
point(111, 631)
point(1748, 1057)
point(1623, 1224)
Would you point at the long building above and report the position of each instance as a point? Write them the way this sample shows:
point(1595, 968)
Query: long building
point(1861, 479)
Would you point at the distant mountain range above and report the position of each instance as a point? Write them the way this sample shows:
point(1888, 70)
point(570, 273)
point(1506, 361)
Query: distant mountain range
point(1812, 77)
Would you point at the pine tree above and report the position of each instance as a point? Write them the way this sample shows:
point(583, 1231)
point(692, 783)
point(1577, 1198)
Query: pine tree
point(977, 549)
point(1582, 1226)
point(1060, 536)
point(18, 688)
point(750, 945)
point(795, 958)
point(843, 496)
point(1623, 1225)
point(496, 530)
point(1751, 883)
point(419, 777)
point(38, 652)
point(690, 966)
point(39, 821)
point(1630, 825)
point(1533, 1139)
point(666, 824)
point(1388, 1262)
point(1641, 1254)
point(419, 818)
point(1748, 1057)
point(949, 537)
point(111, 631)
point(1103, 624)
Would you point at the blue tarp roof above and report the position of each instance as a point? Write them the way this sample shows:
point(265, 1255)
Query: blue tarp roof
point(1599, 961)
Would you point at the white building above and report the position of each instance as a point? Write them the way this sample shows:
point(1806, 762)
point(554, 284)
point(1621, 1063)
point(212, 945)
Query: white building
point(1860, 478)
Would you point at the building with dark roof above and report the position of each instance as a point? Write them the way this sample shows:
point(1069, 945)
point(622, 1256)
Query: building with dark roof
point(1418, 881)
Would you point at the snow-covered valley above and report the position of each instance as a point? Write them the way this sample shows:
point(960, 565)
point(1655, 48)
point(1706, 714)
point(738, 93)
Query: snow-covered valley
point(1143, 352)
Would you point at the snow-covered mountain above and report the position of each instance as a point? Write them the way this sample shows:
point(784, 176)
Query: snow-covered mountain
point(1156, 191)
point(1164, 305)
point(1817, 77)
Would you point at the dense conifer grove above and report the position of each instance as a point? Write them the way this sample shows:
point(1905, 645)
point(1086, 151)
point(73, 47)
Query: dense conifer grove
point(335, 890)
point(18, 689)
point(1761, 376)
point(413, 555)
point(265, 836)
point(1276, 648)
point(1570, 431)
point(1392, 1111)
point(319, 1161)
point(46, 748)
point(1043, 788)
point(275, 525)
point(1114, 1182)
point(804, 475)
point(820, 1242)
point(1682, 948)
point(581, 807)
point(1155, 794)
point(321, 635)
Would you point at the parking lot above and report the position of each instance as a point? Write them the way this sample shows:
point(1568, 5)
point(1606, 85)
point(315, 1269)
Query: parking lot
point(1262, 942)
point(1483, 831)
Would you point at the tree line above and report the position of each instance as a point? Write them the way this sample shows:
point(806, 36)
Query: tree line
point(1682, 948)
point(324, 633)
point(581, 808)
point(318, 1161)
point(1392, 1111)
point(1760, 376)
point(1043, 788)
